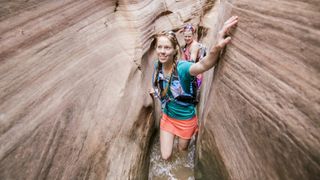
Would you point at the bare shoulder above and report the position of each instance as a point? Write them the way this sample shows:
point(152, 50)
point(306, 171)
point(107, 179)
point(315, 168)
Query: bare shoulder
point(195, 45)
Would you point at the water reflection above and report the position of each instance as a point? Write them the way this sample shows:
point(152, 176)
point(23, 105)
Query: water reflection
point(180, 167)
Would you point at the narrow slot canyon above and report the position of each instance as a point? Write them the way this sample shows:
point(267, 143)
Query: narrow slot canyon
point(75, 75)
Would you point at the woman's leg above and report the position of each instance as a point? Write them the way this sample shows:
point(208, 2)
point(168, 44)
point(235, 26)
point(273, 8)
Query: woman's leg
point(183, 144)
point(166, 144)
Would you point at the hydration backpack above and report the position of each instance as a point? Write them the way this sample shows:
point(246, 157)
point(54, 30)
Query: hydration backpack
point(201, 54)
point(202, 51)
point(178, 93)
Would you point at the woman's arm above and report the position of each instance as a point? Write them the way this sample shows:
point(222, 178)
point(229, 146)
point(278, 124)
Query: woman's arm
point(211, 59)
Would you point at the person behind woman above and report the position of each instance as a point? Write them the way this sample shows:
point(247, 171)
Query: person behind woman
point(192, 47)
point(179, 118)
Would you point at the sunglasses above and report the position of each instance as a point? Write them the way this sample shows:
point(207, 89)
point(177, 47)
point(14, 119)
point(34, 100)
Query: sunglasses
point(189, 27)
point(169, 33)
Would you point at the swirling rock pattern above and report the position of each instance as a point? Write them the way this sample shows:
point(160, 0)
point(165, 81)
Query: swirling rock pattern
point(261, 111)
point(74, 77)
point(73, 91)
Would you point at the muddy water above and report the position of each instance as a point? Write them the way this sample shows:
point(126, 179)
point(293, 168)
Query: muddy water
point(180, 167)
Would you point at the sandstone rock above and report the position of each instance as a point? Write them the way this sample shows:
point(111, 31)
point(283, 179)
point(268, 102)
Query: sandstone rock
point(74, 77)
point(260, 117)
point(73, 86)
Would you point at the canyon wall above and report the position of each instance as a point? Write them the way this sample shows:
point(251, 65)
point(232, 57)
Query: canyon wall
point(260, 117)
point(74, 76)
point(74, 79)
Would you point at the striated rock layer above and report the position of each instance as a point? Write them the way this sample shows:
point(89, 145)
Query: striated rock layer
point(260, 117)
point(74, 77)
point(73, 88)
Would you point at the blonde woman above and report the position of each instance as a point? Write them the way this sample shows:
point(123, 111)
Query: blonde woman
point(173, 79)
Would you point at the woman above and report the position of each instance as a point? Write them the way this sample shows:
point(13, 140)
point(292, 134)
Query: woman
point(191, 50)
point(171, 77)
point(192, 47)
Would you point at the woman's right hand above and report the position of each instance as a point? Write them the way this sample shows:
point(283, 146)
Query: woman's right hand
point(224, 34)
point(222, 40)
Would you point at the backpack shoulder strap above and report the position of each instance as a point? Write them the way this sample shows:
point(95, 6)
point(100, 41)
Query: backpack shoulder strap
point(202, 51)
point(156, 90)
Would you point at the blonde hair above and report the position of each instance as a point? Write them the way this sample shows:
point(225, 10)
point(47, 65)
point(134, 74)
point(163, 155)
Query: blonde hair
point(174, 41)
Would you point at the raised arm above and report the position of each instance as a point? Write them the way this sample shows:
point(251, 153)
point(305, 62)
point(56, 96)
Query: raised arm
point(211, 59)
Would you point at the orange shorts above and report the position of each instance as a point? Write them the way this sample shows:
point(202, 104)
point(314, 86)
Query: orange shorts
point(182, 128)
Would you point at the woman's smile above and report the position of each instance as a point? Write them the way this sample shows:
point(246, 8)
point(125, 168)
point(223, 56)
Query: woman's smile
point(165, 50)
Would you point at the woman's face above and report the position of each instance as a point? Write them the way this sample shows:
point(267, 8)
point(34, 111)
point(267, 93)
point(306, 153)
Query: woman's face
point(165, 49)
point(188, 36)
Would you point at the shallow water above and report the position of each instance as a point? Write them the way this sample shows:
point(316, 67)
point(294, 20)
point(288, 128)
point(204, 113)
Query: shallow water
point(179, 167)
